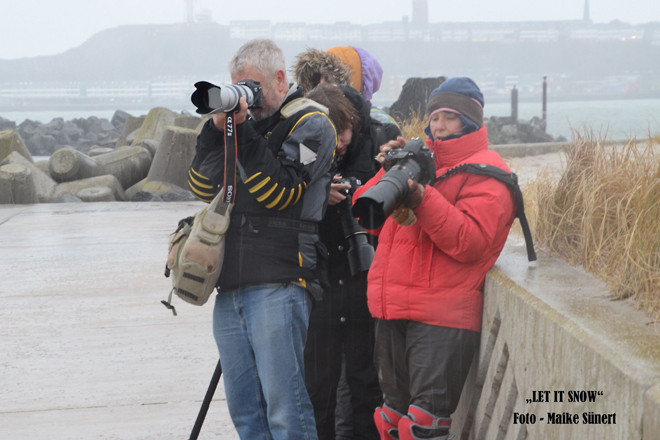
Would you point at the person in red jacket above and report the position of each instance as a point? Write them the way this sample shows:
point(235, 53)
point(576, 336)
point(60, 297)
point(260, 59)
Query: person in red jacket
point(425, 285)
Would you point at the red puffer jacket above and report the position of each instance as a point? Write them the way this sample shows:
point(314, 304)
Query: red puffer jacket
point(433, 270)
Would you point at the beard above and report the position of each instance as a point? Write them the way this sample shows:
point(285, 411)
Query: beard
point(271, 105)
point(259, 114)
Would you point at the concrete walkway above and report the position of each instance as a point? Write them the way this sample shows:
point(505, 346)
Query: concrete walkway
point(86, 349)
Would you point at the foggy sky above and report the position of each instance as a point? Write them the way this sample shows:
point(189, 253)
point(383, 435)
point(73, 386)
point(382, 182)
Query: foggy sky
point(37, 27)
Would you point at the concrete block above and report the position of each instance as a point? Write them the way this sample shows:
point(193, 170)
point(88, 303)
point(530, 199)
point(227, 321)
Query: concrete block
point(154, 126)
point(42, 164)
point(11, 141)
point(174, 156)
point(43, 183)
point(17, 185)
point(73, 188)
point(97, 150)
point(156, 187)
point(131, 128)
point(67, 164)
point(96, 194)
point(129, 165)
point(187, 121)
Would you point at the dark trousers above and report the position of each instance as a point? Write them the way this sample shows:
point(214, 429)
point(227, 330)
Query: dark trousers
point(341, 324)
point(423, 365)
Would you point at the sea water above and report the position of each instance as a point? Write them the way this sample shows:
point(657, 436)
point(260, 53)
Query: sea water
point(613, 119)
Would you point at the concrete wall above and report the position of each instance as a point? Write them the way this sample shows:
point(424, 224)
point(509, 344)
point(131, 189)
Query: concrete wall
point(555, 346)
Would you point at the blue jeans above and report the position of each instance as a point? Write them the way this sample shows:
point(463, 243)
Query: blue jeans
point(261, 331)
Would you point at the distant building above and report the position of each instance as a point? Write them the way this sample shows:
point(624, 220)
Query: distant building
point(420, 12)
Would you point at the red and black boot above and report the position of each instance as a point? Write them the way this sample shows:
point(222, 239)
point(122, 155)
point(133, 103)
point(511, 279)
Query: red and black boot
point(422, 425)
point(387, 421)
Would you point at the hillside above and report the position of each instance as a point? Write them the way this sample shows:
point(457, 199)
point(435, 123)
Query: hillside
point(146, 52)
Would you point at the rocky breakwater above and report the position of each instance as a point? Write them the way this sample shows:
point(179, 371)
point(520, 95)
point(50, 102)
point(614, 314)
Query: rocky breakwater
point(140, 159)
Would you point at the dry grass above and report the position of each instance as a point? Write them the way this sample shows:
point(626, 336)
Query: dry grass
point(604, 213)
point(413, 127)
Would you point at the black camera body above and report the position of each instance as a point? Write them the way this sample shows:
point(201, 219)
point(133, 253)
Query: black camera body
point(354, 182)
point(414, 161)
point(210, 99)
point(360, 252)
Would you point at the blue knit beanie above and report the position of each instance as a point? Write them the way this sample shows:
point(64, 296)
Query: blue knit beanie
point(459, 95)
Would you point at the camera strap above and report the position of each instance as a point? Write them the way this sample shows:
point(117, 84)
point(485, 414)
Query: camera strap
point(231, 152)
point(511, 181)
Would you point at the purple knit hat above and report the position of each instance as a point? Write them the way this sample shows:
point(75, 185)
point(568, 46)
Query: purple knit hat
point(372, 73)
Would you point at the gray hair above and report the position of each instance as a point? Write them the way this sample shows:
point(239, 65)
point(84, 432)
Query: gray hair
point(261, 53)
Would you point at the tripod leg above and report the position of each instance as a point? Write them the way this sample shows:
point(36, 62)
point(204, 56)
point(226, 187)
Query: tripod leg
point(207, 401)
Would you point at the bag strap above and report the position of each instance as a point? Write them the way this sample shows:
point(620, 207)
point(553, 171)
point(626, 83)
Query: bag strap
point(511, 181)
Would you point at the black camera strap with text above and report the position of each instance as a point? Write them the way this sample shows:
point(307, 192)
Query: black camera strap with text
point(231, 152)
point(511, 181)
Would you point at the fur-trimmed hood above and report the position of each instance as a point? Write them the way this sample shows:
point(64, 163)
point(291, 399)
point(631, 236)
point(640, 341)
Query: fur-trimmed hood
point(313, 64)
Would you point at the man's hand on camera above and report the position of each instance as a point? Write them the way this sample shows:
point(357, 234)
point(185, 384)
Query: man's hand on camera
point(337, 193)
point(241, 114)
point(398, 143)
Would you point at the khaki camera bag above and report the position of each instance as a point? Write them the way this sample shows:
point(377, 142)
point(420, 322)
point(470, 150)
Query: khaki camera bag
point(197, 250)
point(197, 247)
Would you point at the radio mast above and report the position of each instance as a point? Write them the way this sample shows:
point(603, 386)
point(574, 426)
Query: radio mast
point(190, 13)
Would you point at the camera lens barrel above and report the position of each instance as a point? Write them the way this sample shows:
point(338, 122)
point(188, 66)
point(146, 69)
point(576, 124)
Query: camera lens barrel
point(210, 99)
point(377, 203)
point(225, 99)
point(414, 161)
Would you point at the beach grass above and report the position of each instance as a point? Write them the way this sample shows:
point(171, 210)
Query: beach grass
point(603, 213)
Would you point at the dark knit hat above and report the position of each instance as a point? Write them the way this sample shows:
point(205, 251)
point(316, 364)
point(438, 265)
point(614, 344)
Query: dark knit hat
point(458, 95)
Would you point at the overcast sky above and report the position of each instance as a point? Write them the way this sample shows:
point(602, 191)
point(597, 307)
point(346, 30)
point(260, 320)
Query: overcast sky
point(44, 27)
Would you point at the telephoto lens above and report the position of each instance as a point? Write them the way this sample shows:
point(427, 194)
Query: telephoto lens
point(210, 99)
point(414, 161)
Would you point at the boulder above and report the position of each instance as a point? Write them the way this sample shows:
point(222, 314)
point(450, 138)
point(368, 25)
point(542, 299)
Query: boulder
point(412, 99)
point(80, 134)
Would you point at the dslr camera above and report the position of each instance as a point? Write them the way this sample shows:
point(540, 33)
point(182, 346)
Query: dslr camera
point(414, 161)
point(360, 251)
point(210, 99)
